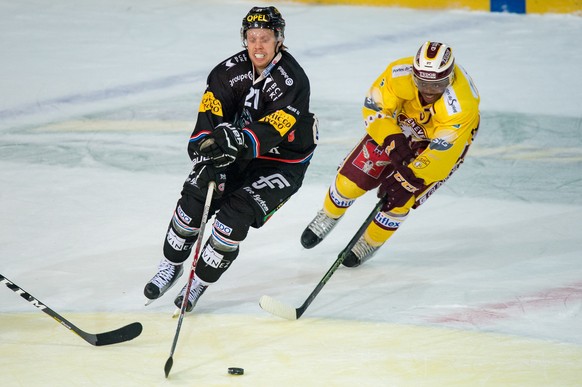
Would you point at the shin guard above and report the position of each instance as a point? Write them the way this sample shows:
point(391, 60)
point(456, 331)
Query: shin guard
point(214, 260)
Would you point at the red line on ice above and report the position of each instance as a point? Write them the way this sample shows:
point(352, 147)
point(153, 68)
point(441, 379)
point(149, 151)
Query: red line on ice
point(490, 313)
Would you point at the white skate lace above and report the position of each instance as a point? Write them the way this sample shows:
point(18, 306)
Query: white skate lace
point(362, 249)
point(195, 292)
point(322, 224)
point(165, 274)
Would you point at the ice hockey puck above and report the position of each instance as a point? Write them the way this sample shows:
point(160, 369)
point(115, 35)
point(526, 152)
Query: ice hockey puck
point(236, 371)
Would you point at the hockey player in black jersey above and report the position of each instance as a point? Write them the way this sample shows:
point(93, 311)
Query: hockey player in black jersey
point(254, 136)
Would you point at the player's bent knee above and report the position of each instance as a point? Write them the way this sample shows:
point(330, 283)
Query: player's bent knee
point(181, 224)
point(347, 188)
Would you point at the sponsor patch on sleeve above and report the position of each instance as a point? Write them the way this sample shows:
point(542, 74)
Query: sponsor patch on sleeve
point(440, 144)
point(451, 102)
point(401, 70)
point(280, 120)
point(210, 103)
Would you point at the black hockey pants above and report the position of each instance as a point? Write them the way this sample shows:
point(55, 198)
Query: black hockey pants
point(252, 195)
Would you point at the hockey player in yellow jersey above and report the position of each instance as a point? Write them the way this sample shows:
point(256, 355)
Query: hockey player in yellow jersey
point(421, 115)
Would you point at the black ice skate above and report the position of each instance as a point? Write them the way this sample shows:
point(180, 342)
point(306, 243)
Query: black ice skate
point(165, 278)
point(319, 227)
point(360, 253)
point(196, 290)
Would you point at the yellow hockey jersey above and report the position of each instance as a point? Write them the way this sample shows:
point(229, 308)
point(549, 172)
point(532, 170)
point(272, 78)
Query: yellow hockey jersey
point(445, 128)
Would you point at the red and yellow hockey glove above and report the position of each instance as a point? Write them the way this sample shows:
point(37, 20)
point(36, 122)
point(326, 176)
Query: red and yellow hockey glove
point(399, 187)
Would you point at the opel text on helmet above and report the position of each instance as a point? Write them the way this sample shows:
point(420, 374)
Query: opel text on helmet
point(263, 17)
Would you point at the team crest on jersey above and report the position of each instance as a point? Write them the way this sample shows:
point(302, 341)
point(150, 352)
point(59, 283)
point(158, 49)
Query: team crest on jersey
point(421, 162)
point(210, 103)
point(372, 159)
point(411, 128)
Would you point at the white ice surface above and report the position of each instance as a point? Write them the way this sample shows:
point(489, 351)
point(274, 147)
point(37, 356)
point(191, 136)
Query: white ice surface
point(481, 286)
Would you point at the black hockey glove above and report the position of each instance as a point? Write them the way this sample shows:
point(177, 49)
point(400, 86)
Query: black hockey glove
point(399, 187)
point(203, 172)
point(222, 145)
point(398, 149)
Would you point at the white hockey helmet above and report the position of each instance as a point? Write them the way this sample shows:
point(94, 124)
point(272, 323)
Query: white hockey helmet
point(433, 70)
point(434, 62)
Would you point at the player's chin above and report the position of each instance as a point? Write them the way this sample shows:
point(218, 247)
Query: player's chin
point(259, 62)
point(430, 98)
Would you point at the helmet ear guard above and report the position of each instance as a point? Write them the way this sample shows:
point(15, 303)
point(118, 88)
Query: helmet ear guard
point(263, 17)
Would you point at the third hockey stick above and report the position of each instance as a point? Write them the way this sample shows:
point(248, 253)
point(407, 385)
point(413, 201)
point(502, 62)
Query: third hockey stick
point(205, 212)
point(282, 310)
point(120, 335)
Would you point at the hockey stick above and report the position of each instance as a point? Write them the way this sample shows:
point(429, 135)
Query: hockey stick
point(282, 310)
point(209, 194)
point(120, 335)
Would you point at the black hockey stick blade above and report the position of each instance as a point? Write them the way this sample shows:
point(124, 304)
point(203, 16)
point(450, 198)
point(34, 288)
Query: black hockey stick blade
point(128, 332)
point(168, 366)
point(282, 310)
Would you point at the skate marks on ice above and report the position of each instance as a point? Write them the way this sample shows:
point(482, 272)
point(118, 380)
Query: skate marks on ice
point(523, 157)
point(127, 139)
point(273, 351)
point(511, 157)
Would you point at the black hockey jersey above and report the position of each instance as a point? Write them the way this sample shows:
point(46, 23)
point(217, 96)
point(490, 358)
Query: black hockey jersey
point(271, 109)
